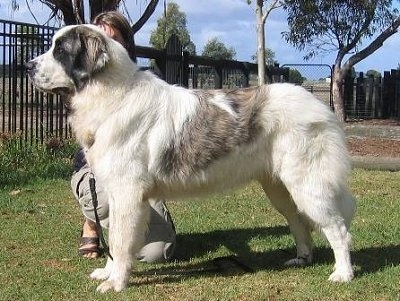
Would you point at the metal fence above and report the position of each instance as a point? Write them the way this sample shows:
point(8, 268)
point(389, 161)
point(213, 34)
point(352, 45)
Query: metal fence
point(316, 78)
point(24, 111)
point(36, 116)
point(178, 67)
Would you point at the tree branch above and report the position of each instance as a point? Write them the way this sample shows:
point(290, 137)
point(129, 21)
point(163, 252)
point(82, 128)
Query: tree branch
point(99, 6)
point(374, 45)
point(151, 7)
point(275, 4)
point(78, 11)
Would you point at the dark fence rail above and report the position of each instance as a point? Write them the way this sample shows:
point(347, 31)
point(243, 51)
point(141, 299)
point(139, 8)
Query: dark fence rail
point(373, 97)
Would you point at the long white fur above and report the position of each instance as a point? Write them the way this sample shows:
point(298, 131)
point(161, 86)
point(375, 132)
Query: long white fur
point(126, 119)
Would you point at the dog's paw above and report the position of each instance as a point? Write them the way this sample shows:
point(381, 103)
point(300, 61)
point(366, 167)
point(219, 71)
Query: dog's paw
point(341, 276)
point(109, 285)
point(100, 274)
point(298, 261)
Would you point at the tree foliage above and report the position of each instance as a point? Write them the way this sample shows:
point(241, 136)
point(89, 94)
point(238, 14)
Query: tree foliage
point(325, 26)
point(217, 50)
point(321, 26)
point(295, 77)
point(173, 22)
point(373, 73)
point(269, 57)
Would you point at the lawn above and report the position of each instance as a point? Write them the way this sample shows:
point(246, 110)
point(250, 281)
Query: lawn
point(40, 225)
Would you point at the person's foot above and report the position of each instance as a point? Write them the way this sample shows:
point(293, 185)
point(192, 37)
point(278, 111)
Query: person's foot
point(89, 246)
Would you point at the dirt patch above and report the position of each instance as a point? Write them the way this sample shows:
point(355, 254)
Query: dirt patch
point(374, 147)
point(384, 122)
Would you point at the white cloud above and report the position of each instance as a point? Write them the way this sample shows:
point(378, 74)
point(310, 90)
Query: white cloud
point(215, 7)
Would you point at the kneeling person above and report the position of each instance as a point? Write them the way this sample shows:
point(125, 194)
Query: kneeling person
point(160, 238)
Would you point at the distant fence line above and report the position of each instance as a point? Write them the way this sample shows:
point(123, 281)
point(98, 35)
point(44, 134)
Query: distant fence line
point(36, 116)
point(373, 97)
point(24, 110)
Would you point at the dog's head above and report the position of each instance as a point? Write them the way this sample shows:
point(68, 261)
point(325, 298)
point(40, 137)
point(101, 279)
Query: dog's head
point(77, 54)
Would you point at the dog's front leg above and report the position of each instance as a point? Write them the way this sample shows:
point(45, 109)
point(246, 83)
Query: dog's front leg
point(129, 216)
point(104, 273)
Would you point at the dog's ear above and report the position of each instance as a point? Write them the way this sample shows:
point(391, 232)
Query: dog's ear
point(92, 58)
point(95, 47)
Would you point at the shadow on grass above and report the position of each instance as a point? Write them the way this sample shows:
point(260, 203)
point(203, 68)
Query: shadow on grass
point(245, 260)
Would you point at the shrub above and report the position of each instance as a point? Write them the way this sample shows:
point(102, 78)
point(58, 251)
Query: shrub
point(22, 162)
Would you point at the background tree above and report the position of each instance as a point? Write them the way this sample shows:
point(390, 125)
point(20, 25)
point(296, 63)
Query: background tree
point(373, 73)
point(295, 77)
point(269, 57)
point(73, 11)
point(217, 50)
point(173, 22)
point(318, 26)
point(262, 14)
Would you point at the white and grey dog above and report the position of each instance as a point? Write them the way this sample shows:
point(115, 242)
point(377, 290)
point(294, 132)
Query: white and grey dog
point(147, 139)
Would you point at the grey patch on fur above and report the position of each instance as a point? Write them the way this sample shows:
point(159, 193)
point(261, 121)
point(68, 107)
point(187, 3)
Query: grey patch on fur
point(79, 52)
point(213, 132)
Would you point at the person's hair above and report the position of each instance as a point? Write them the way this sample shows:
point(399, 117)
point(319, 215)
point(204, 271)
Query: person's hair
point(116, 20)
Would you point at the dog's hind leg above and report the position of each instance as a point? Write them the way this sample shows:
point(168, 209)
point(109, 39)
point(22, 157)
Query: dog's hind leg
point(340, 239)
point(129, 215)
point(324, 203)
point(299, 226)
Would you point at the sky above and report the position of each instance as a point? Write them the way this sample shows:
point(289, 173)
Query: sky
point(233, 23)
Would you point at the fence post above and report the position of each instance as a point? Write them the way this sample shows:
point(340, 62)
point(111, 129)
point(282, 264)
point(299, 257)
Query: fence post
point(360, 96)
point(218, 77)
point(185, 69)
point(160, 66)
point(195, 71)
point(396, 96)
point(392, 99)
point(369, 95)
point(378, 97)
point(246, 74)
point(173, 65)
point(348, 93)
point(386, 94)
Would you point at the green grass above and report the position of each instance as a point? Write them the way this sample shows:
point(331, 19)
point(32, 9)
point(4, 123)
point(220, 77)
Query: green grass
point(40, 223)
point(22, 162)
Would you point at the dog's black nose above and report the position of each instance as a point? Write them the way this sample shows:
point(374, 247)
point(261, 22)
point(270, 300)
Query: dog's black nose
point(30, 67)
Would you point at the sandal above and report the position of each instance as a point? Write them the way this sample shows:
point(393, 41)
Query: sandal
point(83, 250)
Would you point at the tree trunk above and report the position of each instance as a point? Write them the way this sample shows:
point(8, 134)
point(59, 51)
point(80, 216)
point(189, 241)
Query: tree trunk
point(99, 6)
point(151, 7)
point(260, 43)
point(67, 12)
point(337, 93)
point(73, 10)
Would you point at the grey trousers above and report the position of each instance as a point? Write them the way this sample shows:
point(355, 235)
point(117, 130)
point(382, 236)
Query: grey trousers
point(161, 237)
